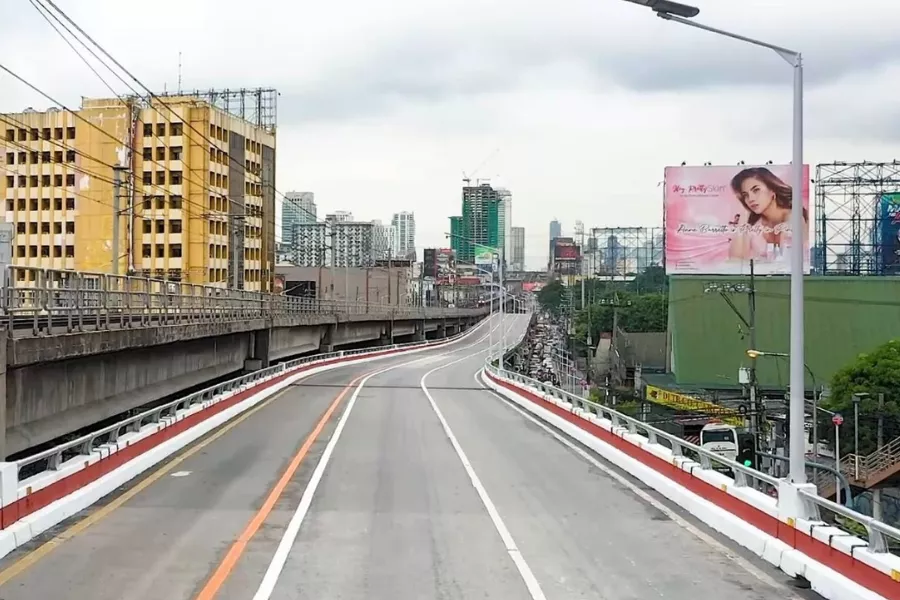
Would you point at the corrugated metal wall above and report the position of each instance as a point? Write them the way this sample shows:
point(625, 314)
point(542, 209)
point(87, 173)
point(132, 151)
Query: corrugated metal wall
point(844, 317)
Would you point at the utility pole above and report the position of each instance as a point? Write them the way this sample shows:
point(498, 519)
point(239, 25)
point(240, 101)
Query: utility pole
point(118, 174)
point(877, 511)
point(755, 425)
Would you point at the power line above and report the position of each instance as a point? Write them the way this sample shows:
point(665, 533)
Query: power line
point(154, 96)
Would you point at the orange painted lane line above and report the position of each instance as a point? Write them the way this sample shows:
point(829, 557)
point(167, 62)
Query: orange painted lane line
point(225, 568)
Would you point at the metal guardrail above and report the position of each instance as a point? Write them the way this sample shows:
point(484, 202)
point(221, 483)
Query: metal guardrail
point(86, 444)
point(44, 300)
point(878, 534)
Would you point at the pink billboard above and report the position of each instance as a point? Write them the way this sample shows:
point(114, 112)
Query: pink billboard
point(718, 219)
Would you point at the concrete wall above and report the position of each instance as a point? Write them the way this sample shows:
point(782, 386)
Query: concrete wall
point(363, 285)
point(50, 398)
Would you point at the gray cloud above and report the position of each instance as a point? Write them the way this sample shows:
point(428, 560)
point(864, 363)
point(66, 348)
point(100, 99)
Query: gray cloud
point(428, 68)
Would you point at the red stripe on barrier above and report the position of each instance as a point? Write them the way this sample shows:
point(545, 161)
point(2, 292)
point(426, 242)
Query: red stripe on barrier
point(41, 498)
point(861, 573)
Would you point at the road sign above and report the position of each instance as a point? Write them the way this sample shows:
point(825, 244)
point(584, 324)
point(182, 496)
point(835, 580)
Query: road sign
point(837, 420)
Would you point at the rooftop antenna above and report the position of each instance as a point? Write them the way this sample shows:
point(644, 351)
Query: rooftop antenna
point(179, 72)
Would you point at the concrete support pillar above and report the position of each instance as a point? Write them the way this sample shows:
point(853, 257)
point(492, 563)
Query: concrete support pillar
point(259, 351)
point(419, 336)
point(386, 338)
point(327, 344)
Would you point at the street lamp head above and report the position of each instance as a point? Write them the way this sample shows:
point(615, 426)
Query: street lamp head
point(667, 8)
point(754, 353)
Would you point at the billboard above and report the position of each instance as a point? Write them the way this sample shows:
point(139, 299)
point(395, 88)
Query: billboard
point(484, 257)
point(718, 219)
point(429, 263)
point(564, 249)
point(889, 233)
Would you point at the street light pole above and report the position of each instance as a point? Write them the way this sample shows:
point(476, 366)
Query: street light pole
point(681, 13)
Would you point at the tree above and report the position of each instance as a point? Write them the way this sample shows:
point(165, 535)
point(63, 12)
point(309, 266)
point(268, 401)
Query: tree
point(872, 373)
point(637, 314)
point(652, 281)
point(551, 297)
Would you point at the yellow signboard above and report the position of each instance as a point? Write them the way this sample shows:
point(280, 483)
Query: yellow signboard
point(689, 403)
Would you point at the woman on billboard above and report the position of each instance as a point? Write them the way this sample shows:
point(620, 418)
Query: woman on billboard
point(764, 231)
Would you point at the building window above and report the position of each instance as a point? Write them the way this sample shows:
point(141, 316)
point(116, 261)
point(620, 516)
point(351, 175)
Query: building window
point(70, 250)
point(45, 180)
point(45, 134)
point(32, 227)
point(20, 227)
point(160, 226)
point(175, 177)
point(148, 202)
point(175, 202)
point(45, 227)
point(148, 226)
point(175, 226)
point(70, 156)
point(58, 156)
point(70, 133)
point(45, 203)
point(160, 202)
point(177, 129)
point(70, 179)
point(175, 251)
point(70, 226)
point(160, 178)
point(70, 203)
point(57, 204)
point(145, 251)
point(160, 129)
point(160, 250)
point(148, 178)
point(58, 133)
point(148, 154)
point(57, 227)
point(161, 153)
point(175, 153)
point(10, 135)
point(58, 180)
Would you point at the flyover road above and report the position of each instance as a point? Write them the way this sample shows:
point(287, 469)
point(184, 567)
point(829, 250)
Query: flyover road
point(409, 491)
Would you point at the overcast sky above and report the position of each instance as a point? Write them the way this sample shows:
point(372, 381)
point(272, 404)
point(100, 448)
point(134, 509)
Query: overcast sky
point(384, 104)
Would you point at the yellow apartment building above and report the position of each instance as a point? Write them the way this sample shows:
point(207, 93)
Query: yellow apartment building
point(195, 202)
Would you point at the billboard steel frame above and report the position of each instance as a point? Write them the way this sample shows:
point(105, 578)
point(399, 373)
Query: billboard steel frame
point(847, 202)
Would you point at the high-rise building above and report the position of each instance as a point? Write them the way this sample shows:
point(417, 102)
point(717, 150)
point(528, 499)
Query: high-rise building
point(382, 240)
point(456, 232)
point(480, 222)
point(505, 222)
point(298, 207)
point(517, 249)
point(310, 245)
point(403, 225)
point(352, 243)
point(555, 229)
point(339, 216)
point(181, 190)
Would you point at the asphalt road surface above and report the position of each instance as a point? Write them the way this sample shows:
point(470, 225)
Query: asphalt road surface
point(408, 492)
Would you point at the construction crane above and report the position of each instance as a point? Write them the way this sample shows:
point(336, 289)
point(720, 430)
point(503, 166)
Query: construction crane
point(467, 179)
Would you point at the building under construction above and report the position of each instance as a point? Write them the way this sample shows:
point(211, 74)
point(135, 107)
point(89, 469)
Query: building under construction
point(481, 222)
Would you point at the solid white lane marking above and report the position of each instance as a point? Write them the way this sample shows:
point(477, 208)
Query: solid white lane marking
point(180, 474)
point(675, 517)
point(531, 582)
point(273, 572)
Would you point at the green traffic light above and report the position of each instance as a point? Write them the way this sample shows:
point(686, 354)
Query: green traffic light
point(748, 463)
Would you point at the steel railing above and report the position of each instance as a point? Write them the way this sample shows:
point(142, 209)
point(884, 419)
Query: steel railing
point(53, 458)
point(878, 534)
point(46, 301)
